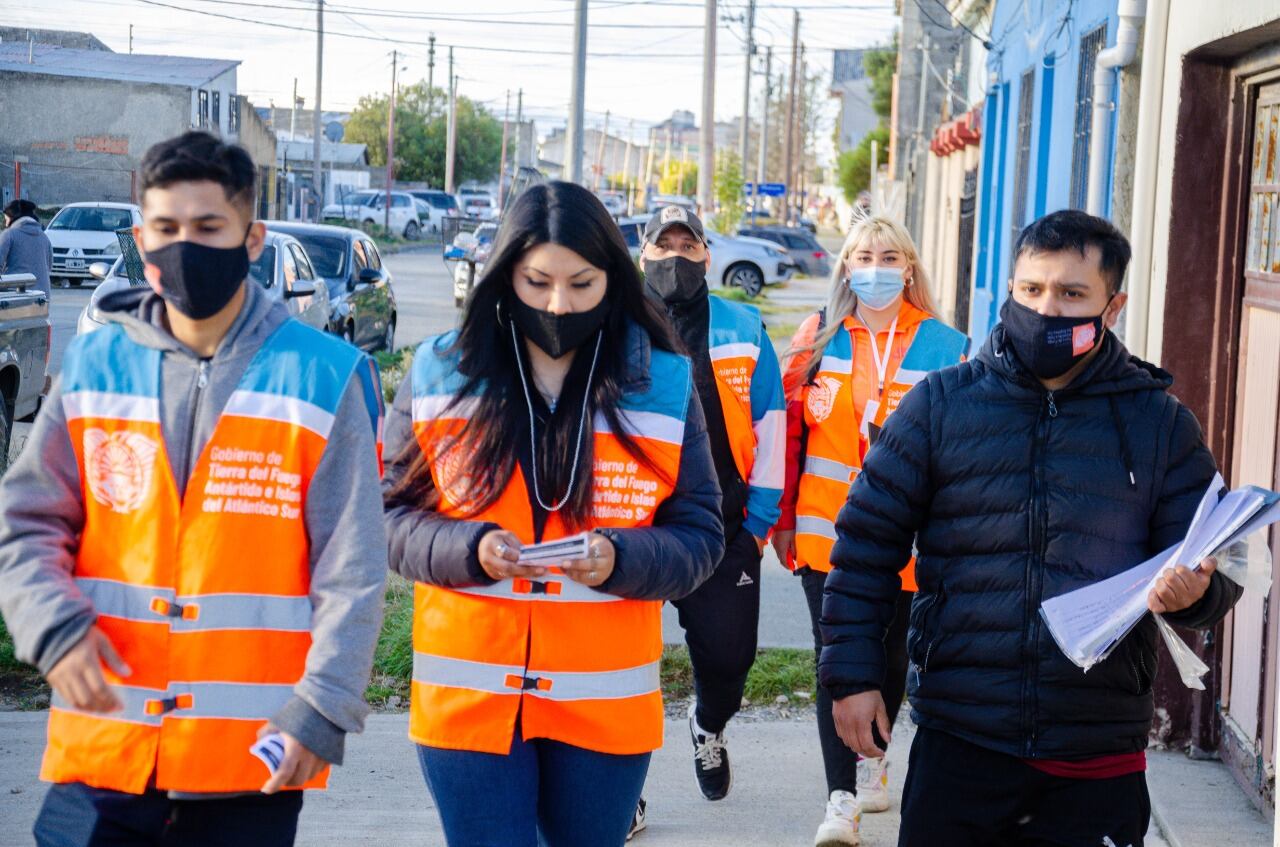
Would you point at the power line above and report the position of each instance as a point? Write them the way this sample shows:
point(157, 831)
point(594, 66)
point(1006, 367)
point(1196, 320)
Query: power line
point(986, 42)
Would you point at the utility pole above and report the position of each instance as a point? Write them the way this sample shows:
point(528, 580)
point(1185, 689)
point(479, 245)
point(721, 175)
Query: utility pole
point(707, 151)
point(762, 162)
point(431, 74)
point(599, 168)
point(626, 165)
point(502, 157)
point(917, 144)
point(450, 141)
point(744, 130)
point(293, 110)
point(391, 143)
point(131, 39)
point(519, 128)
point(648, 167)
point(802, 135)
point(791, 117)
point(317, 171)
point(573, 140)
point(666, 157)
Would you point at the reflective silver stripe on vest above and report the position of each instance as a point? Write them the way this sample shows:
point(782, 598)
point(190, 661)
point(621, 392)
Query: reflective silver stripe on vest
point(829, 469)
point(560, 686)
point(815, 526)
point(197, 613)
point(279, 407)
point(906, 377)
point(553, 589)
point(210, 700)
point(107, 404)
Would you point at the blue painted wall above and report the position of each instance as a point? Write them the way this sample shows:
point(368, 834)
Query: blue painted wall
point(1046, 35)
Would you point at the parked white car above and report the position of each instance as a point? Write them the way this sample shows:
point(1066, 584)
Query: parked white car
point(84, 233)
point(477, 204)
point(404, 214)
point(349, 205)
point(747, 263)
point(615, 202)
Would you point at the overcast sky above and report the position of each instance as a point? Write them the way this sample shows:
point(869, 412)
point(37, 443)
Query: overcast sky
point(644, 58)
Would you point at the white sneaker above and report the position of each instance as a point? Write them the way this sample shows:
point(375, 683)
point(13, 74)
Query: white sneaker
point(840, 829)
point(873, 785)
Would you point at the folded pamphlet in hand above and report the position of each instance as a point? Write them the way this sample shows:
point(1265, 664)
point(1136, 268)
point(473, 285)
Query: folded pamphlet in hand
point(551, 552)
point(1089, 622)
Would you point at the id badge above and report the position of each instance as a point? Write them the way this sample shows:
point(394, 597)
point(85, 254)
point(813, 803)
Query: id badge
point(868, 418)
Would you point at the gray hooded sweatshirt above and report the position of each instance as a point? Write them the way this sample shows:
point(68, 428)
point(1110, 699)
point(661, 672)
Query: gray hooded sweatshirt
point(42, 513)
point(25, 249)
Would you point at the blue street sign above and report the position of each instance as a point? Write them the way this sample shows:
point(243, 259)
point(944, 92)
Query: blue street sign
point(772, 189)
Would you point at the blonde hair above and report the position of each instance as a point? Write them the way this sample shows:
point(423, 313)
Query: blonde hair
point(842, 302)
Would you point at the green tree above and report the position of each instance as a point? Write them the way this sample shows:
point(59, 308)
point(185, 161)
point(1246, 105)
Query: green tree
point(679, 178)
point(853, 167)
point(421, 127)
point(728, 190)
point(880, 65)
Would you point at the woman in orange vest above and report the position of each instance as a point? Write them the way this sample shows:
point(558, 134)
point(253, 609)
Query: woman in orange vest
point(558, 413)
point(849, 366)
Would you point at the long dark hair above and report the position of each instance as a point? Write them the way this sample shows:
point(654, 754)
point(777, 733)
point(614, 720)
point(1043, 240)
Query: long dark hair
point(568, 215)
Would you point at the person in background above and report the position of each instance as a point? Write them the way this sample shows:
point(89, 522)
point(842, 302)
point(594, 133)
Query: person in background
point(1051, 461)
point(24, 248)
point(739, 384)
point(850, 366)
point(559, 408)
point(191, 548)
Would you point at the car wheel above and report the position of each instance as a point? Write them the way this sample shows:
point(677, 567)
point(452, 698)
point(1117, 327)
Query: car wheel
point(6, 432)
point(748, 278)
point(349, 333)
point(412, 231)
point(389, 340)
point(459, 302)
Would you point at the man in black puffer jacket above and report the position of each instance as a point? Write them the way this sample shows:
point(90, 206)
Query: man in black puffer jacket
point(1053, 460)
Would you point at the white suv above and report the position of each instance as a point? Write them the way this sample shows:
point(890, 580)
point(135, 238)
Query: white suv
point(84, 233)
point(404, 214)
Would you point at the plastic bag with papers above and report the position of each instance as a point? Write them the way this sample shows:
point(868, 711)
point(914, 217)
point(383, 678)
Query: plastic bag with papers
point(1089, 622)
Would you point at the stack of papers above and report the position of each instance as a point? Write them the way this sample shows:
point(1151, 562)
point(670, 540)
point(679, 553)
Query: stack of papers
point(548, 552)
point(1088, 623)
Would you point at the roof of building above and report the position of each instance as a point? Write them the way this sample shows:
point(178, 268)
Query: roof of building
point(56, 37)
point(342, 153)
point(186, 71)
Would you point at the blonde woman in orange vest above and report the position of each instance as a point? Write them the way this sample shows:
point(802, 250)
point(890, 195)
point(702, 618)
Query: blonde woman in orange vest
point(558, 411)
point(849, 367)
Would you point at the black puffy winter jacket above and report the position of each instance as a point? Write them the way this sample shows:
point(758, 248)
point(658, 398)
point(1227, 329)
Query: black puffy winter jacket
point(1013, 495)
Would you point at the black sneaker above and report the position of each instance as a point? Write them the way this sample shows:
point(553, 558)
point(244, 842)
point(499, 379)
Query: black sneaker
point(710, 761)
point(637, 821)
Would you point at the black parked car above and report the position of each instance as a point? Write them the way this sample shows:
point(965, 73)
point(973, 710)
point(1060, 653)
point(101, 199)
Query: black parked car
point(811, 257)
point(362, 302)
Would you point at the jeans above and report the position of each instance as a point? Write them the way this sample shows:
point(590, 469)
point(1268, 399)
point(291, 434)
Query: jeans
point(720, 621)
point(841, 763)
point(543, 792)
point(75, 815)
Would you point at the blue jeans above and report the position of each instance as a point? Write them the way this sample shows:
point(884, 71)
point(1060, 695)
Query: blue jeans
point(75, 815)
point(542, 793)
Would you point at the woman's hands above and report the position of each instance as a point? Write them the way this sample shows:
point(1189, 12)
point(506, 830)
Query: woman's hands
point(597, 567)
point(499, 554)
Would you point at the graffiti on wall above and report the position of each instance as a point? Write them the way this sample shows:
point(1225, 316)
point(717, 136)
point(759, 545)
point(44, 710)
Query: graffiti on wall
point(114, 145)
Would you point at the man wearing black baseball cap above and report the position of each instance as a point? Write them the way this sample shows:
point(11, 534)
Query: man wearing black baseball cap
point(740, 385)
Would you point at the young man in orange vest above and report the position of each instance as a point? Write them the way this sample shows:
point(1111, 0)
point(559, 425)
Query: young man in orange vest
point(191, 544)
point(738, 380)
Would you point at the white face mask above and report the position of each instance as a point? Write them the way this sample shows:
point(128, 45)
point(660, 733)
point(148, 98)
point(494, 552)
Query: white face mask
point(876, 287)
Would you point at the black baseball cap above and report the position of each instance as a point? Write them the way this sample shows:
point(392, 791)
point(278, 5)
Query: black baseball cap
point(669, 216)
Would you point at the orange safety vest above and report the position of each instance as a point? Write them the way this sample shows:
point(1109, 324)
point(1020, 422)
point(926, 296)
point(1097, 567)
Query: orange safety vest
point(734, 349)
point(571, 663)
point(205, 597)
point(839, 433)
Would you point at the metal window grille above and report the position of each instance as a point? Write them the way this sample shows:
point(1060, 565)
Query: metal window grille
point(203, 100)
point(1090, 46)
point(217, 109)
point(1022, 164)
point(233, 114)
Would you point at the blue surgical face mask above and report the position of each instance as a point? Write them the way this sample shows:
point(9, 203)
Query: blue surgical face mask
point(876, 287)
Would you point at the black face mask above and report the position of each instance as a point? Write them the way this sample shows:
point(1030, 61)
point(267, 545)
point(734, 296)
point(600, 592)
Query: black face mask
point(557, 335)
point(676, 280)
point(1049, 346)
point(196, 280)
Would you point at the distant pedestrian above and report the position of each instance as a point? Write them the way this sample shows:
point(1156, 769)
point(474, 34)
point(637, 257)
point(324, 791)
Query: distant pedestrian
point(559, 408)
point(1053, 460)
point(850, 366)
point(24, 248)
point(737, 379)
point(191, 546)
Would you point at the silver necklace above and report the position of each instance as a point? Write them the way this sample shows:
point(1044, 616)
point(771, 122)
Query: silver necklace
point(533, 440)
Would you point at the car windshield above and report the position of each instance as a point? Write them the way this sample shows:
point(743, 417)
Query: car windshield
point(440, 201)
point(90, 219)
point(328, 254)
point(261, 269)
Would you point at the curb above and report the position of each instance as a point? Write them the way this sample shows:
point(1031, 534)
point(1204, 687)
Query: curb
point(1161, 820)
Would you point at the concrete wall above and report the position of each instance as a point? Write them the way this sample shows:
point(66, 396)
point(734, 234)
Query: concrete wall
point(82, 137)
point(256, 137)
